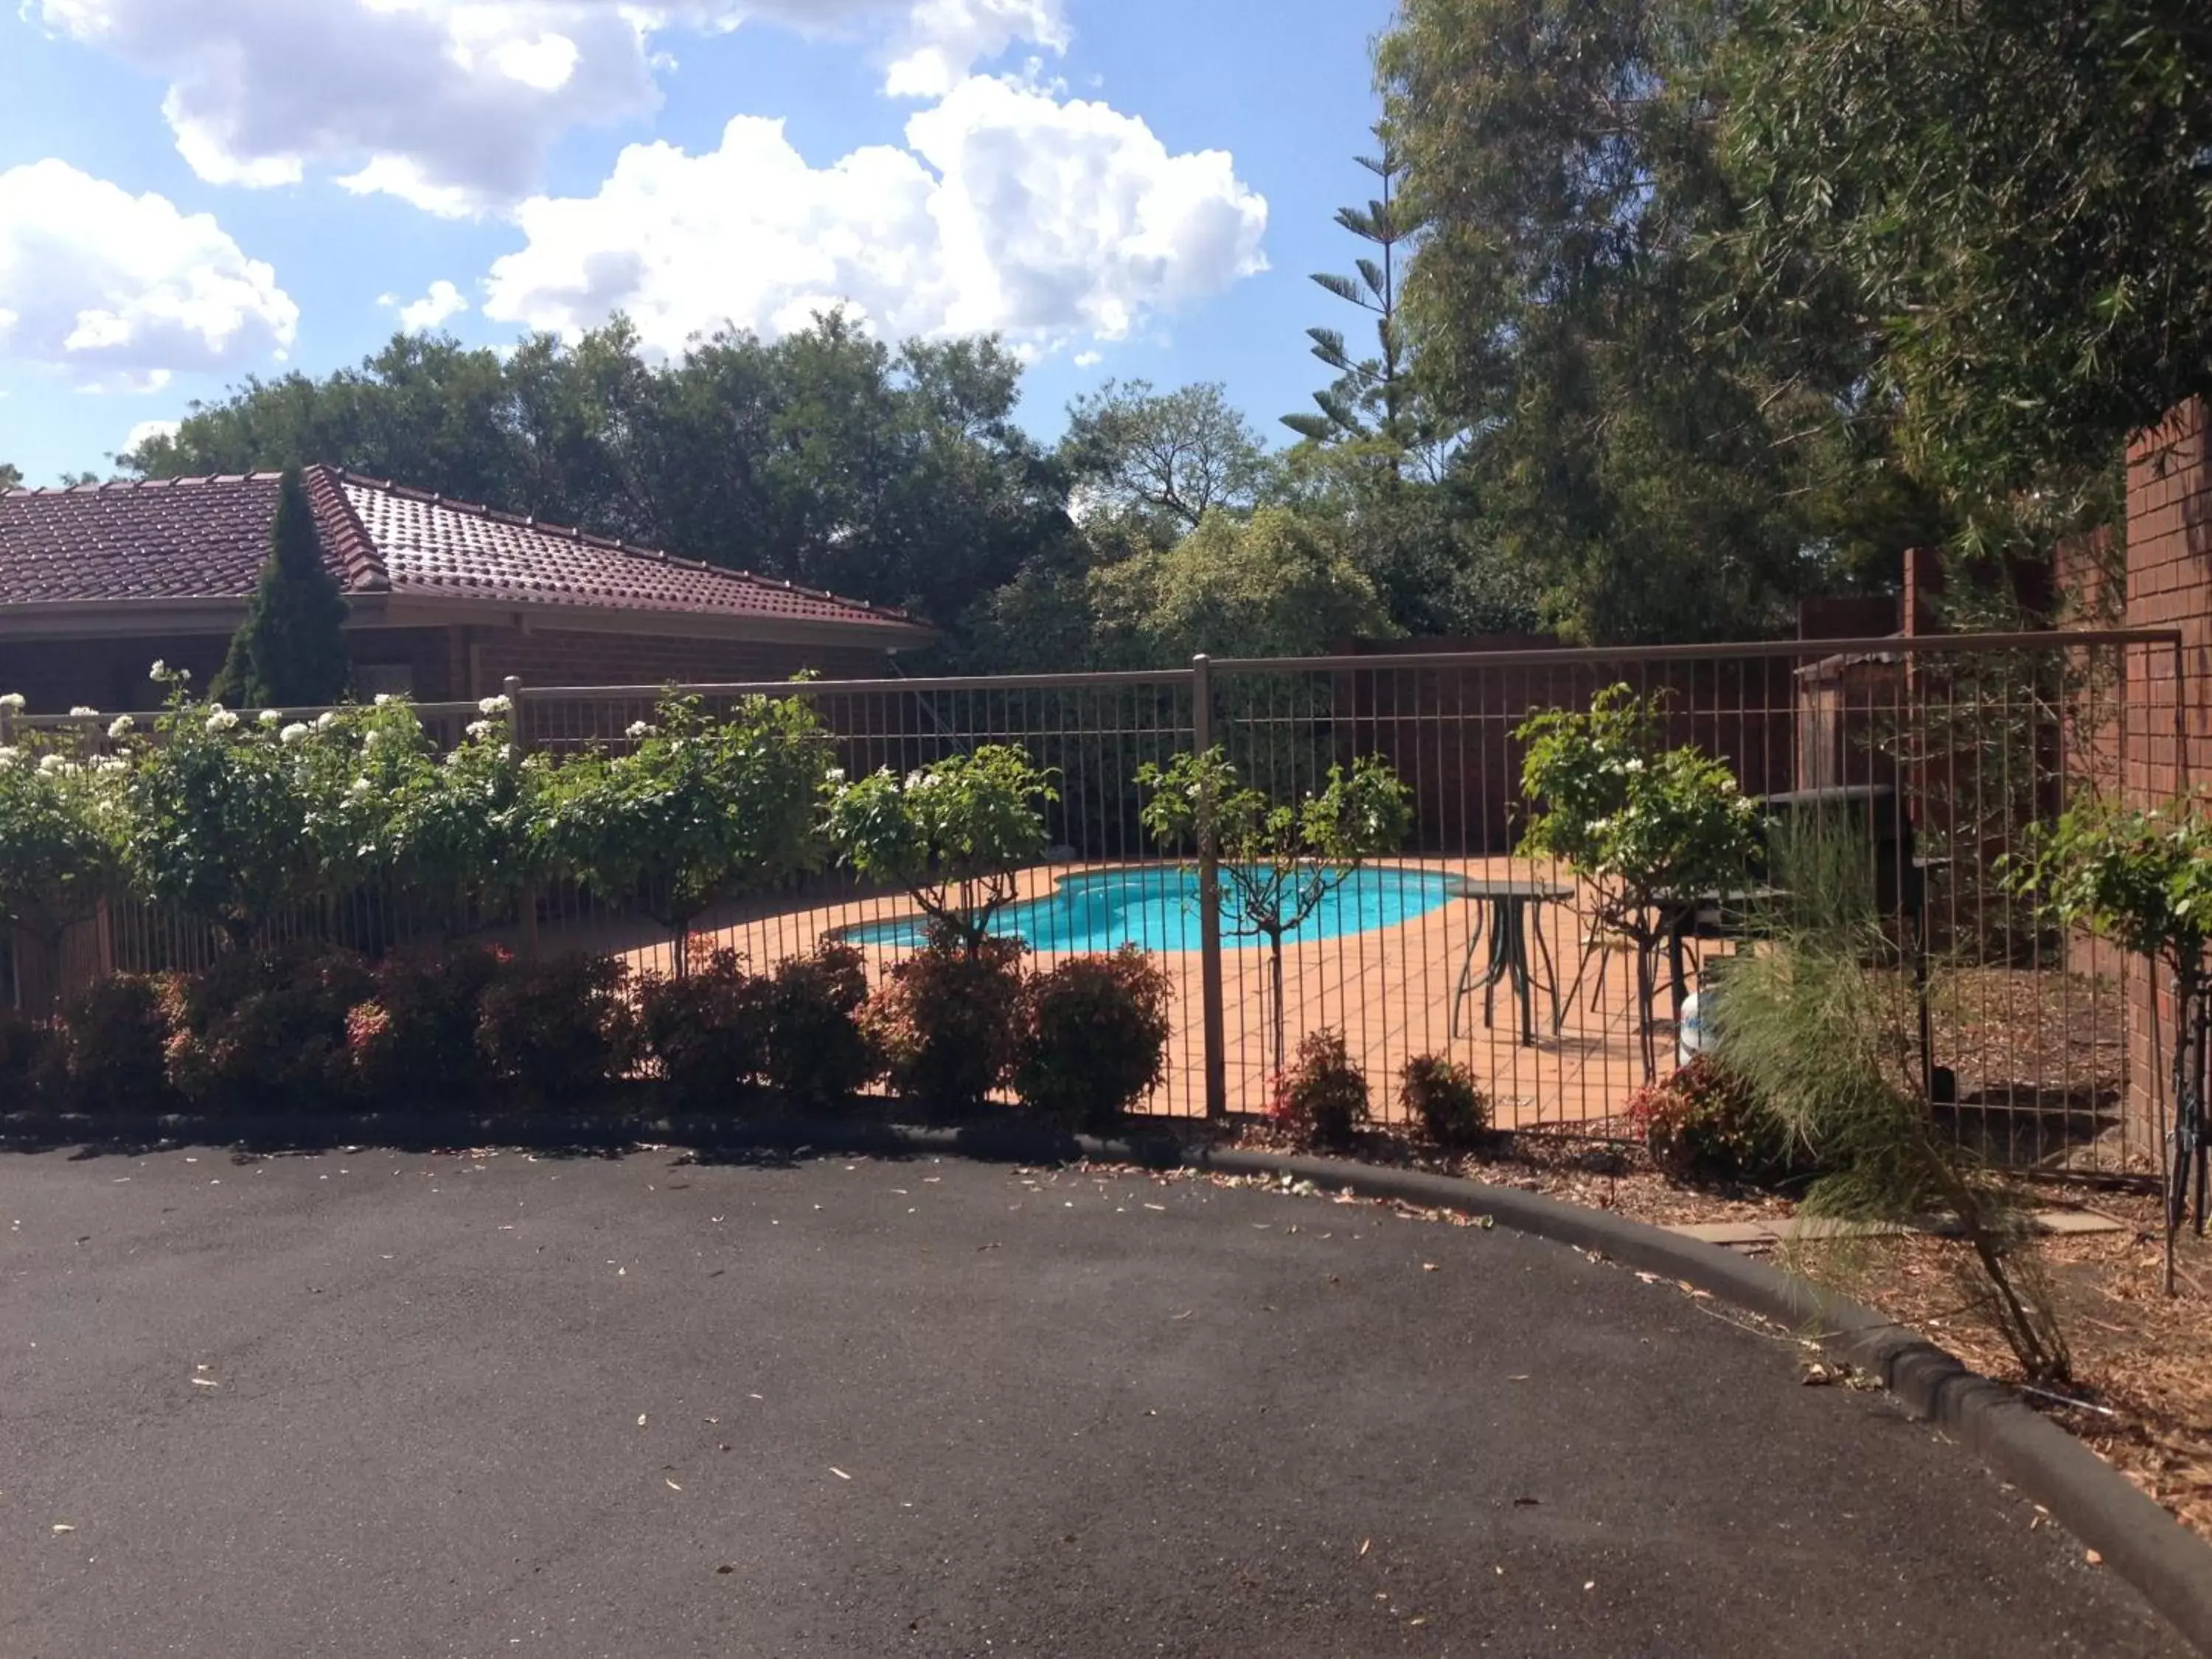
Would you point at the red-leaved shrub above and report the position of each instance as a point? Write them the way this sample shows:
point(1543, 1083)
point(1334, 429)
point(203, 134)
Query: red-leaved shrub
point(1702, 1122)
point(820, 1053)
point(1321, 1100)
point(413, 1041)
point(265, 1029)
point(708, 1030)
point(949, 1021)
point(106, 1057)
point(1094, 1037)
point(558, 1031)
point(1442, 1097)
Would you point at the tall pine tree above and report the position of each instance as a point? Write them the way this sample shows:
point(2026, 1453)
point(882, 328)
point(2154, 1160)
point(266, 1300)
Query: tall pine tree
point(291, 650)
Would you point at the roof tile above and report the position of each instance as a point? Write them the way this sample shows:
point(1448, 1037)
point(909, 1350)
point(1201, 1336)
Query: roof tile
point(206, 538)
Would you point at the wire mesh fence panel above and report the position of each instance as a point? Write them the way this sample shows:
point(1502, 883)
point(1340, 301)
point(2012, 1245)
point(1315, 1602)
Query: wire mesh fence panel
point(1561, 991)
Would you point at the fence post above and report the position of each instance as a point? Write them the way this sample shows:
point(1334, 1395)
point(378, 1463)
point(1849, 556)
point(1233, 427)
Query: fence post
point(518, 740)
point(1209, 906)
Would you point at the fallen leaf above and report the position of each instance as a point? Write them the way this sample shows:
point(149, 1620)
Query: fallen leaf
point(1428, 1266)
point(2093, 1557)
point(839, 1473)
point(726, 1567)
point(1522, 1378)
point(1526, 1503)
point(1162, 1207)
point(1591, 1585)
point(1363, 1543)
point(670, 1485)
point(640, 1419)
point(1416, 1621)
point(206, 1382)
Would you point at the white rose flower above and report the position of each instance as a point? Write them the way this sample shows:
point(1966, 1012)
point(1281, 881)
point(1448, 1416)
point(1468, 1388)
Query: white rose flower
point(82, 713)
point(382, 698)
point(494, 705)
point(327, 719)
point(121, 727)
point(50, 764)
point(361, 787)
point(294, 733)
point(159, 671)
point(220, 721)
point(114, 763)
point(13, 702)
point(271, 717)
point(455, 758)
point(835, 774)
point(8, 758)
point(479, 731)
point(369, 740)
point(638, 729)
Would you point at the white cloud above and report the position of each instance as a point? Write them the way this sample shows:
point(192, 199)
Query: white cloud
point(1088, 358)
point(148, 430)
point(444, 300)
point(124, 290)
point(1009, 210)
point(454, 105)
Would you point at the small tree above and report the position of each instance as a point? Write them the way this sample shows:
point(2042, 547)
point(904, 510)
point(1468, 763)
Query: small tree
point(1649, 828)
point(386, 810)
point(2143, 879)
point(701, 809)
point(953, 834)
point(60, 832)
point(291, 650)
point(1280, 859)
point(217, 823)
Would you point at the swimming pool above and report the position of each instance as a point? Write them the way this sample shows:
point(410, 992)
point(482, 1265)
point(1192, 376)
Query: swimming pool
point(1157, 907)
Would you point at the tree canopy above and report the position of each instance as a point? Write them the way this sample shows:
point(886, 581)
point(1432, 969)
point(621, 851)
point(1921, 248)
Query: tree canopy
point(2015, 200)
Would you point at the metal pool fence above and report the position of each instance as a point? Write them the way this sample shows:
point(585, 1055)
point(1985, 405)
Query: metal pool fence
point(1936, 754)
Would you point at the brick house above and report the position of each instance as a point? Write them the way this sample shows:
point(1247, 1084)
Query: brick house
point(445, 598)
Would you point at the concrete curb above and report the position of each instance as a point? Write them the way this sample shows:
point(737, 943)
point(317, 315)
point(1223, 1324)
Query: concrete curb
point(2169, 1564)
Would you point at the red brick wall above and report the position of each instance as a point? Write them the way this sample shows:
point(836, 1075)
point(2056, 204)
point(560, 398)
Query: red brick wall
point(553, 658)
point(57, 675)
point(2169, 585)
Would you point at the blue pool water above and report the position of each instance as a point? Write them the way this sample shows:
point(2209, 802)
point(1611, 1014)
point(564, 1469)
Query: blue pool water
point(1157, 909)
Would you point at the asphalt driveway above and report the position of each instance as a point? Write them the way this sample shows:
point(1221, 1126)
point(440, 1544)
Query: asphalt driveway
point(373, 1403)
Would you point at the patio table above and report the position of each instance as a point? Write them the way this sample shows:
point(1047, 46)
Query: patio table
point(1510, 904)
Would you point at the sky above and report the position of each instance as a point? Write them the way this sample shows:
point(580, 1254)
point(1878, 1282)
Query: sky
point(192, 191)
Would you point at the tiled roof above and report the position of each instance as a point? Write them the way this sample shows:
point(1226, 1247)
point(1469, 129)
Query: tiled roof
point(207, 537)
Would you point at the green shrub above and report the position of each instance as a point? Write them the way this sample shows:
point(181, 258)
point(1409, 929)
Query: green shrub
point(1321, 1099)
point(265, 1030)
point(415, 1038)
point(107, 1057)
point(557, 1032)
point(949, 1023)
point(1442, 1096)
point(1094, 1037)
point(1701, 1123)
point(819, 1051)
point(708, 1030)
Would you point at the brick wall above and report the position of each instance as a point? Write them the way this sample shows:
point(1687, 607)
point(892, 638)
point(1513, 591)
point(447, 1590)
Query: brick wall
point(57, 675)
point(557, 657)
point(2169, 585)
